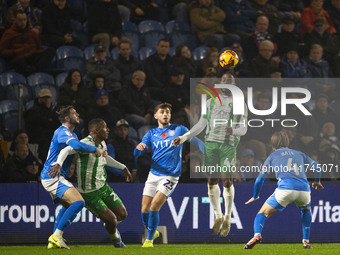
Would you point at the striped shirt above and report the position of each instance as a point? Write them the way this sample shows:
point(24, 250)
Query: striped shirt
point(91, 173)
point(219, 117)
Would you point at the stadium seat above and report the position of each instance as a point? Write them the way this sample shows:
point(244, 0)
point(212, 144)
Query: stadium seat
point(132, 133)
point(223, 49)
point(4, 66)
point(10, 82)
point(180, 33)
point(151, 32)
point(199, 53)
point(9, 116)
point(38, 81)
point(172, 51)
point(143, 130)
point(60, 79)
point(70, 57)
point(146, 52)
point(131, 31)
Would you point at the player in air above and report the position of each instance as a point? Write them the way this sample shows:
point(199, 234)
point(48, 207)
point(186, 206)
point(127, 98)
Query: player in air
point(54, 180)
point(290, 169)
point(165, 168)
point(99, 197)
point(221, 140)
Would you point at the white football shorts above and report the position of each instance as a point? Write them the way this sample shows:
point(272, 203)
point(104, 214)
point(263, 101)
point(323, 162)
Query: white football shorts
point(56, 187)
point(164, 184)
point(281, 198)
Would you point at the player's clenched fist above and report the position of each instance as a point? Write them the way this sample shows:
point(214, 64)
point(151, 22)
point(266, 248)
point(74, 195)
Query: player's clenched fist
point(176, 141)
point(141, 146)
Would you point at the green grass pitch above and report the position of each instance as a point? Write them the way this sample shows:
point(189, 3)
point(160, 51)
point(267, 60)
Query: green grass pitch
point(177, 249)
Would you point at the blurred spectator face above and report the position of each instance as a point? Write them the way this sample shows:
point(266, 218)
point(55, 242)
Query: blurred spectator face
point(177, 79)
point(21, 21)
point(320, 28)
point(32, 169)
point(185, 52)
point(138, 80)
point(101, 55)
point(292, 56)
point(102, 101)
point(261, 2)
point(322, 104)
point(60, 4)
point(205, 3)
point(238, 51)
point(247, 160)
point(99, 82)
point(266, 51)
point(76, 77)
point(288, 27)
point(125, 50)
point(290, 133)
point(262, 24)
point(21, 151)
point(213, 57)
point(163, 48)
point(47, 101)
point(316, 4)
point(316, 54)
point(24, 3)
point(22, 138)
point(328, 129)
point(122, 131)
point(336, 4)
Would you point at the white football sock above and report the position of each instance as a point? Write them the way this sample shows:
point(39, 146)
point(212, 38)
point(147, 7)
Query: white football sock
point(214, 193)
point(228, 195)
point(58, 233)
point(114, 236)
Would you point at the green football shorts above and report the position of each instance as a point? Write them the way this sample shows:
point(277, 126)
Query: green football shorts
point(221, 156)
point(96, 201)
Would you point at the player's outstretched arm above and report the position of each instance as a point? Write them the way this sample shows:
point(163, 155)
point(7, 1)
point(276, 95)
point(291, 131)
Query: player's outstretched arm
point(141, 146)
point(251, 200)
point(194, 131)
point(114, 163)
point(317, 185)
point(54, 171)
point(127, 174)
point(80, 146)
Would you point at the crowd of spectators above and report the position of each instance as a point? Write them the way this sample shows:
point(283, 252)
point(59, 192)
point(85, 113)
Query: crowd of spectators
point(273, 39)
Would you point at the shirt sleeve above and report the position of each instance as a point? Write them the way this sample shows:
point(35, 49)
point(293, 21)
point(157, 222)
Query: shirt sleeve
point(147, 139)
point(242, 129)
point(80, 146)
point(195, 130)
point(64, 153)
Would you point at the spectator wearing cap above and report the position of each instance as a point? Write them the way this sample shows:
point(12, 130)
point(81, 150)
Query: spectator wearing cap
point(73, 92)
point(103, 110)
point(316, 65)
point(56, 24)
point(313, 12)
point(126, 63)
point(100, 64)
point(243, 68)
point(41, 121)
point(22, 166)
point(136, 102)
point(291, 66)
point(287, 37)
point(175, 92)
point(319, 35)
point(121, 148)
point(322, 113)
point(104, 23)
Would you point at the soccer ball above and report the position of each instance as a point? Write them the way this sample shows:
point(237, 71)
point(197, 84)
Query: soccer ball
point(228, 59)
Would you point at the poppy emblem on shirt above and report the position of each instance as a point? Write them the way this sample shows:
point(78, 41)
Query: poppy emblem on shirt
point(68, 133)
point(163, 135)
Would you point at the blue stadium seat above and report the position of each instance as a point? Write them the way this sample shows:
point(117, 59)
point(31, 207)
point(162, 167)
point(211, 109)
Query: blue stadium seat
point(70, 57)
point(60, 79)
point(146, 52)
point(199, 53)
point(8, 106)
point(151, 32)
point(4, 66)
point(38, 81)
point(223, 49)
point(10, 82)
point(9, 115)
point(132, 133)
point(172, 51)
point(131, 31)
point(180, 33)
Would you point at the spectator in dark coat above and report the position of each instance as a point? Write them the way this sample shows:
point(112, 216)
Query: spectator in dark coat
point(126, 63)
point(104, 23)
point(333, 9)
point(316, 65)
point(56, 22)
point(136, 102)
point(291, 66)
point(184, 60)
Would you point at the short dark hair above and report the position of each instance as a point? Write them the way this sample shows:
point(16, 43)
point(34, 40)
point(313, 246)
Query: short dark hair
point(163, 40)
point(93, 124)
point(18, 11)
point(163, 106)
point(125, 40)
point(63, 112)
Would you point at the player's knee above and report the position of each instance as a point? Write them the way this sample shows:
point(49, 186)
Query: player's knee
point(227, 182)
point(122, 215)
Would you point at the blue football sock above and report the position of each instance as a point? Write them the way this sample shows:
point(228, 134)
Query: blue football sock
point(153, 224)
point(259, 223)
point(57, 220)
point(70, 214)
point(306, 217)
point(145, 219)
